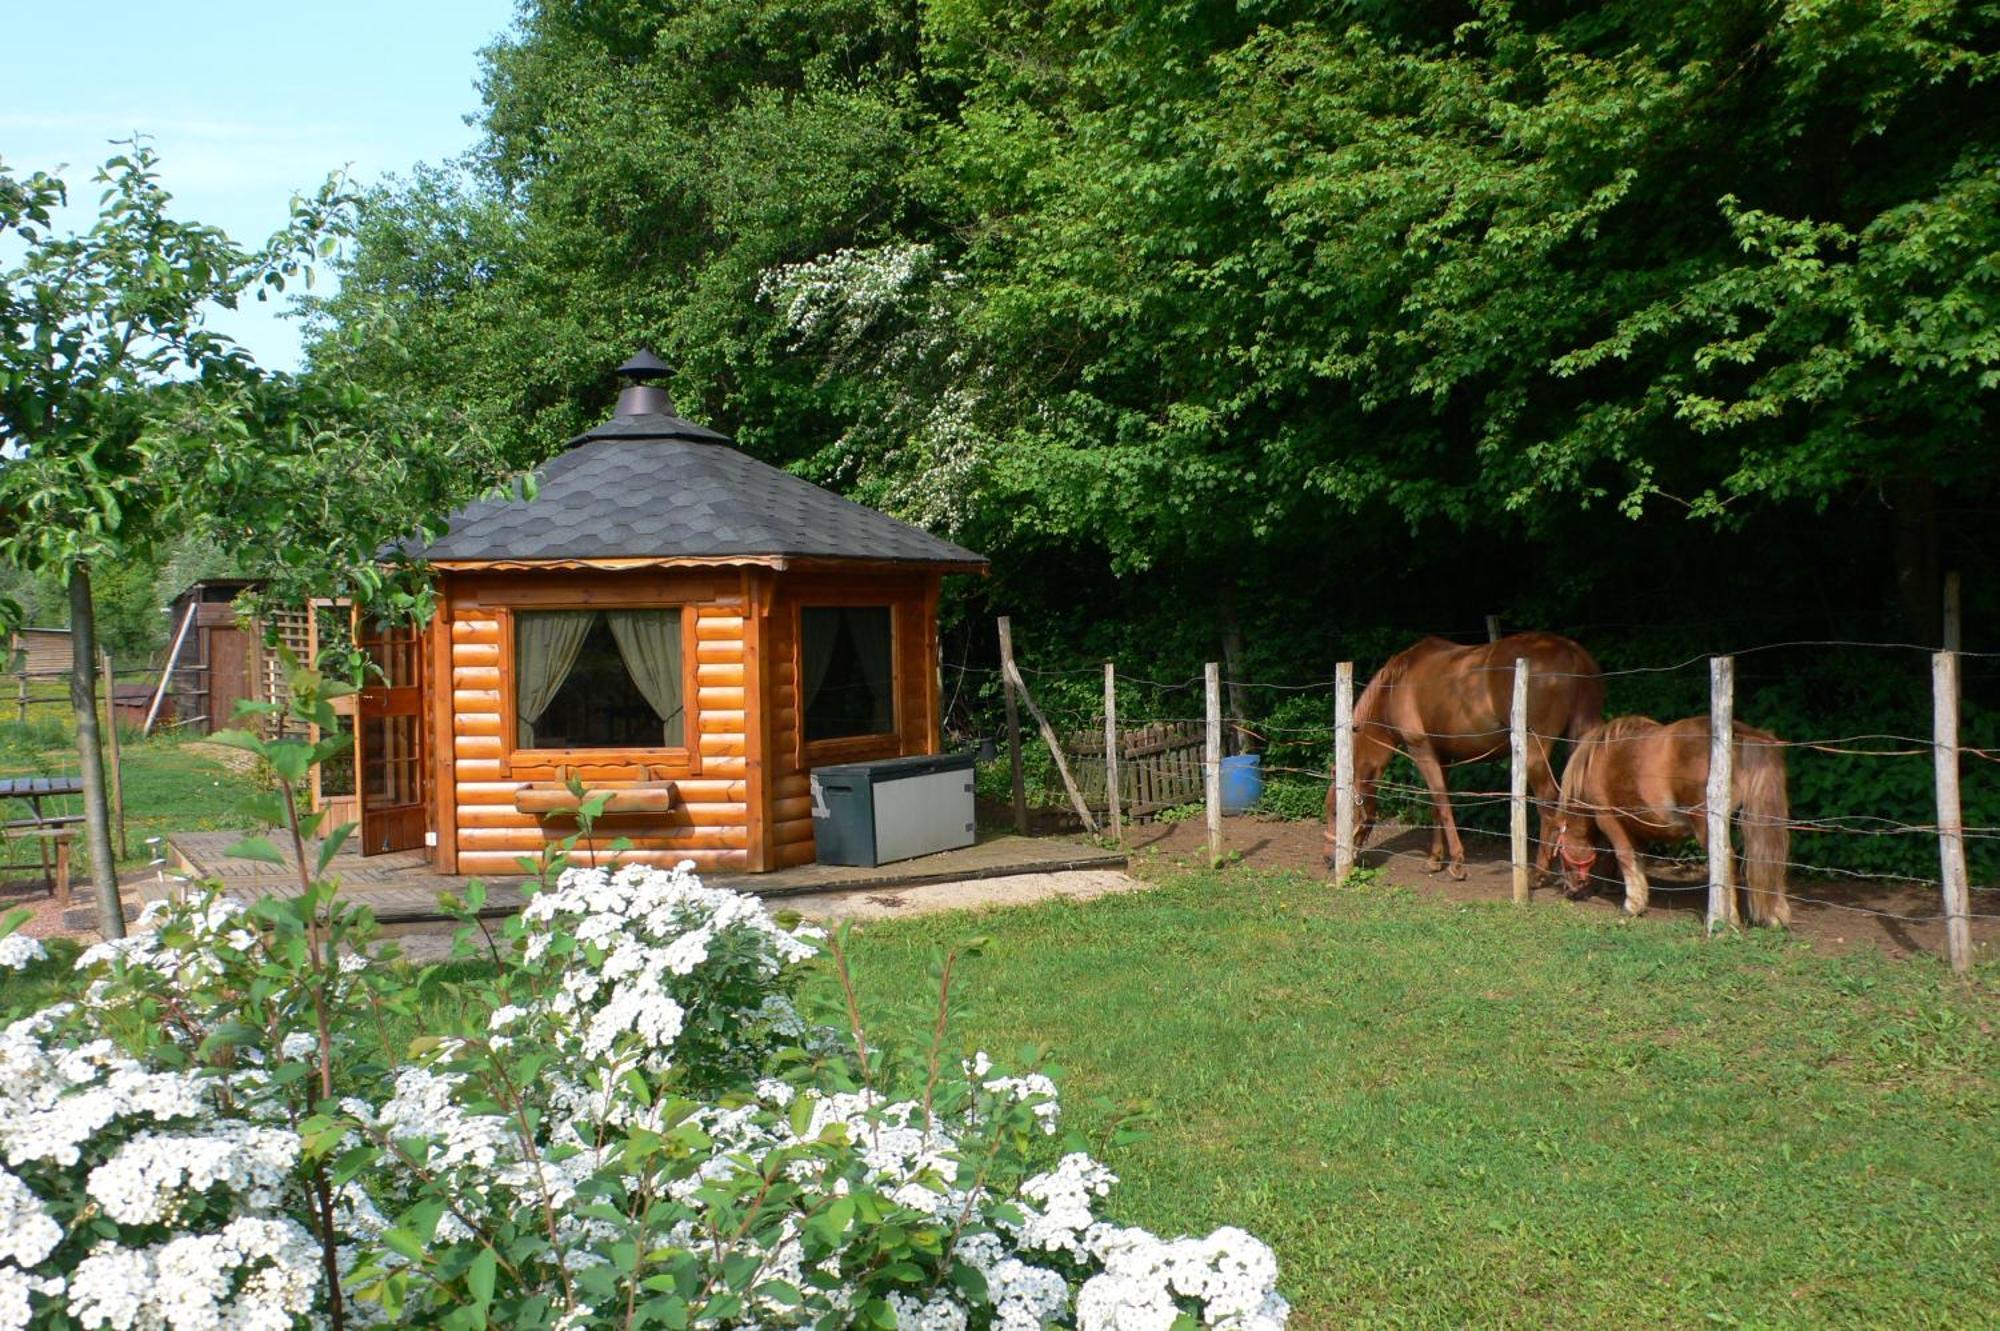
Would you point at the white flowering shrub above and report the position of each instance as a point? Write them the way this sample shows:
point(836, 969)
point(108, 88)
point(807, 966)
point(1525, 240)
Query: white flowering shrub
point(620, 1119)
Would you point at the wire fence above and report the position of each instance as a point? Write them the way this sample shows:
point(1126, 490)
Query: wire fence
point(1863, 826)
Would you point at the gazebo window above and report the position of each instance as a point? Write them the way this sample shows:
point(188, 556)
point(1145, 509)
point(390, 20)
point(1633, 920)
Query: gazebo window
point(847, 669)
point(590, 679)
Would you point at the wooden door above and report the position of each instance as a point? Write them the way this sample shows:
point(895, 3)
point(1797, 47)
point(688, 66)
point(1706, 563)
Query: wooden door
point(389, 741)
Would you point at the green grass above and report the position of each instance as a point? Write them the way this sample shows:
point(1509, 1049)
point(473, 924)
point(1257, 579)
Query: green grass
point(1474, 1115)
point(1448, 1115)
point(169, 787)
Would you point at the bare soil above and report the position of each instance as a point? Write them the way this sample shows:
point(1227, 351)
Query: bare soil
point(1833, 915)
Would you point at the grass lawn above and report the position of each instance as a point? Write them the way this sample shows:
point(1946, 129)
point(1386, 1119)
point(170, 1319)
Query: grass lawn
point(170, 786)
point(1445, 1115)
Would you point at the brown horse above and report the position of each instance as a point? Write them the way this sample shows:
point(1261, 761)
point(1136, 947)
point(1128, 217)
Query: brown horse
point(1446, 704)
point(1635, 781)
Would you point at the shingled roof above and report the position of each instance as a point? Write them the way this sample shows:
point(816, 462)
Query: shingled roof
point(648, 484)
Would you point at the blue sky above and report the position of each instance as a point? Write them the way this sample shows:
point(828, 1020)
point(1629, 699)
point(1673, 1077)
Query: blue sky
point(247, 103)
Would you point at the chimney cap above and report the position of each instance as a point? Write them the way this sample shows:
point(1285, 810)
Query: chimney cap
point(643, 366)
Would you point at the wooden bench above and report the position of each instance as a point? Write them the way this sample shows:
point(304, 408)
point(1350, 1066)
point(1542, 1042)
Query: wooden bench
point(56, 833)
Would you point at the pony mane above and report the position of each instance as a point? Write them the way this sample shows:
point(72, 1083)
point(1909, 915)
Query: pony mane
point(1589, 745)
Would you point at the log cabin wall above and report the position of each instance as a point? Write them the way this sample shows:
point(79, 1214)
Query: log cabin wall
point(744, 795)
point(480, 829)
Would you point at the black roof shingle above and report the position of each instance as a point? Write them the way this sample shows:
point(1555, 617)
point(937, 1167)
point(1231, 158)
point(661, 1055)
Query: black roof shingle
point(656, 486)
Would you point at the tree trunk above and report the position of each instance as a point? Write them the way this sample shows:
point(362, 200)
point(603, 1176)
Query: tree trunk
point(1240, 738)
point(83, 701)
point(1918, 586)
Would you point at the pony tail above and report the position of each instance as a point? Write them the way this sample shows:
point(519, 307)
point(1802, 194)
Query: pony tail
point(1765, 812)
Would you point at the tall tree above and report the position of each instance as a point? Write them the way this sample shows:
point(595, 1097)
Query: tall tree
point(99, 332)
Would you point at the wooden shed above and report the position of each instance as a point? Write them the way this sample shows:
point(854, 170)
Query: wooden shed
point(668, 620)
point(40, 652)
point(215, 660)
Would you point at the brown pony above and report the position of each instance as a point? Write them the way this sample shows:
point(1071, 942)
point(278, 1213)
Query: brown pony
point(1445, 704)
point(1635, 781)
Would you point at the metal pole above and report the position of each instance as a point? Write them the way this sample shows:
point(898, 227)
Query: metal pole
point(1721, 786)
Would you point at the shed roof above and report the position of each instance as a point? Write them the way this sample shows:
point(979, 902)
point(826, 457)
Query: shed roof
point(647, 484)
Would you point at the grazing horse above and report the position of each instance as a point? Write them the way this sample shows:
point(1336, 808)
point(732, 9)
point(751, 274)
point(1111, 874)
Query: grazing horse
point(1445, 704)
point(1635, 781)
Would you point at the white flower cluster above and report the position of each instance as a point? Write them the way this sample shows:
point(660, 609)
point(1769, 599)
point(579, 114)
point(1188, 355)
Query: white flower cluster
point(17, 950)
point(150, 1151)
point(640, 930)
point(174, 948)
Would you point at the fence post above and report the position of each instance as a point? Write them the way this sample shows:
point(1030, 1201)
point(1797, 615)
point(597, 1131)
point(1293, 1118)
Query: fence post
point(117, 766)
point(1954, 613)
point(1343, 771)
point(1111, 778)
point(1013, 725)
point(1951, 818)
point(1517, 726)
point(1721, 785)
point(1212, 676)
point(1493, 628)
point(21, 697)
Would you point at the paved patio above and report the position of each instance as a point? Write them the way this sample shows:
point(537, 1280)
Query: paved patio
point(402, 888)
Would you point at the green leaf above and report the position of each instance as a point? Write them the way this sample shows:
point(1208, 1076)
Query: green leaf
point(479, 1279)
point(331, 847)
point(256, 848)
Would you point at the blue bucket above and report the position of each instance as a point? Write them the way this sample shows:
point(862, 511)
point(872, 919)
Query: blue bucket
point(1242, 782)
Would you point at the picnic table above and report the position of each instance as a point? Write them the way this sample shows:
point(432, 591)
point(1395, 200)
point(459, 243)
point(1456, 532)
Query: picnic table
point(49, 831)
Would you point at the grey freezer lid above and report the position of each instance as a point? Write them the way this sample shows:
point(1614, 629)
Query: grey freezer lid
point(892, 769)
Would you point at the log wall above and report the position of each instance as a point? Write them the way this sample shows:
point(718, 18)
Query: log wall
point(744, 796)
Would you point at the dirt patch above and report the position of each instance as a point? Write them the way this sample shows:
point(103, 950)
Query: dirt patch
point(1833, 915)
point(977, 894)
point(231, 759)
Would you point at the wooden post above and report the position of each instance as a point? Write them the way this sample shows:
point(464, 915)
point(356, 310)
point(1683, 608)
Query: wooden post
point(117, 767)
point(21, 696)
point(1343, 771)
point(1212, 676)
point(1721, 785)
point(1493, 628)
point(1055, 746)
point(1111, 776)
point(167, 674)
point(1013, 724)
point(1517, 725)
point(1951, 818)
point(1954, 613)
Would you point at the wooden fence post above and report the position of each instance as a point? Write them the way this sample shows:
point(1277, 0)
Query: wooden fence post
point(1517, 726)
point(1012, 672)
point(1111, 775)
point(1721, 786)
point(1951, 818)
point(1212, 677)
point(21, 697)
point(1954, 613)
point(1493, 628)
point(117, 767)
point(1013, 725)
point(1343, 771)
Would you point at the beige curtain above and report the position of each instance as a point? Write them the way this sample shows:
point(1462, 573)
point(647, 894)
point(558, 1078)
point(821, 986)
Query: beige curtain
point(545, 646)
point(650, 642)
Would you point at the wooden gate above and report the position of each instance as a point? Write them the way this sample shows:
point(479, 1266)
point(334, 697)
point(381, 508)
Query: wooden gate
point(1159, 767)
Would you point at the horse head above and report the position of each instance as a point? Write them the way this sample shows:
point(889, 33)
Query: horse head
point(1576, 849)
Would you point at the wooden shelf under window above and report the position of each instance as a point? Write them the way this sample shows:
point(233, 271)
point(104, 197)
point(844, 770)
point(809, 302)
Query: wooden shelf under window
point(556, 798)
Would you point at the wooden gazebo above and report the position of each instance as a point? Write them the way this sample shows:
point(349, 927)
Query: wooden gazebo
point(669, 621)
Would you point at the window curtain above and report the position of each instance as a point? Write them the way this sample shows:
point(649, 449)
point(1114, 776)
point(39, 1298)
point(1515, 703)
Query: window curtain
point(819, 635)
point(546, 643)
point(650, 642)
point(876, 650)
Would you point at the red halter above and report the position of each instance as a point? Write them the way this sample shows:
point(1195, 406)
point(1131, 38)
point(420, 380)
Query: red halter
point(1582, 862)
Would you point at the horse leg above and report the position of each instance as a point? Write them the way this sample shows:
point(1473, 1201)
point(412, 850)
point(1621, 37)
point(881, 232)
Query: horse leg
point(1638, 892)
point(1445, 834)
point(1542, 780)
